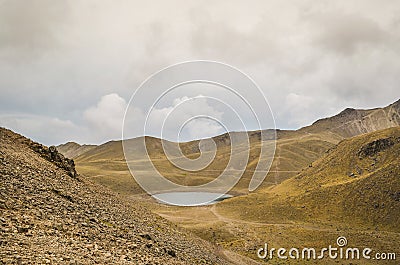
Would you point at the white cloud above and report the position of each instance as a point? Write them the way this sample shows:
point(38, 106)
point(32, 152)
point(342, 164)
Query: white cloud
point(203, 128)
point(103, 122)
point(47, 130)
point(100, 123)
point(179, 113)
point(298, 107)
point(105, 119)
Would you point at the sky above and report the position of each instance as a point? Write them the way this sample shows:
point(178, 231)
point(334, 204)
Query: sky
point(69, 68)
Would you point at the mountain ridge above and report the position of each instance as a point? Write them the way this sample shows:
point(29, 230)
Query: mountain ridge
point(294, 150)
point(351, 122)
point(331, 123)
point(73, 149)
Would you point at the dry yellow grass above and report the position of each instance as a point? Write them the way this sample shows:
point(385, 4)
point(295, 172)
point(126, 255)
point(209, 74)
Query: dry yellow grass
point(294, 150)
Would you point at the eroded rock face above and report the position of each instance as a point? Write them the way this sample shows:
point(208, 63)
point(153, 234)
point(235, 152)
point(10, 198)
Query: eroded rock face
point(351, 122)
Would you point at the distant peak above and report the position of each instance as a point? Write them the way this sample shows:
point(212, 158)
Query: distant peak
point(346, 112)
point(70, 143)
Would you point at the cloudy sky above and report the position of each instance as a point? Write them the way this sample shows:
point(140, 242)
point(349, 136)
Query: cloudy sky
point(69, 68)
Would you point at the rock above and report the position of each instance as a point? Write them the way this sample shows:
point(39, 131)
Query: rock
point(51, 154)
point(395, 196)
point(351, 175)
point(146, 236)
point(171, 253)
point(23, 229)
point(375, 147)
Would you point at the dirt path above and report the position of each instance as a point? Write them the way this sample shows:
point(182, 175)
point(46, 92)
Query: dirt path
point(176, 218)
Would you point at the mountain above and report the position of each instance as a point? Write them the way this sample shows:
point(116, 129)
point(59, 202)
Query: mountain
point(295, 150)
point(351, 122)
point(72, 149)
point(51, 215)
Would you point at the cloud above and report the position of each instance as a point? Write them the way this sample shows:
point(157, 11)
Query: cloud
point(299, 106)
point(58, 60)
point(105, 119)
point(47, 130)
point(346, 33)
point(203, 128)
point(30, 28)
point(169, 120)
point(100, 123)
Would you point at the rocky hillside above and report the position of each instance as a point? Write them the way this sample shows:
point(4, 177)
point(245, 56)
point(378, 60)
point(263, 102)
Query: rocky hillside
point(72, 149)
point(358, 181)
point(50, 215)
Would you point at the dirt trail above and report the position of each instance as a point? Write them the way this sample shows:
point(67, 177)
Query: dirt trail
point(225, 219)
point(231, 221)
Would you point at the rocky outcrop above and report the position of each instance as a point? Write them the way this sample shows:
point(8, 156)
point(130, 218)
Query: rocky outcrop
point(376, 146)
point(51, 154)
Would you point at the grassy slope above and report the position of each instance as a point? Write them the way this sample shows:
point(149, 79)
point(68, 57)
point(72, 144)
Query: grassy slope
point(106, 164)
point(344, 187)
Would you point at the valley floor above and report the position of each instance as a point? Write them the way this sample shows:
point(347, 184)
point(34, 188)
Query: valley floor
point(244, 237)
